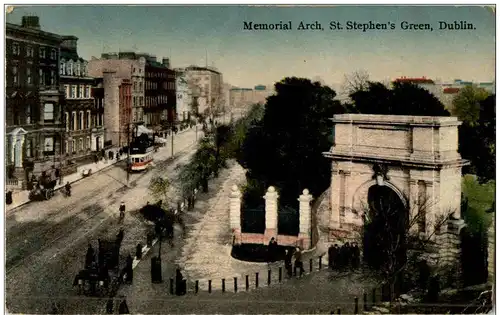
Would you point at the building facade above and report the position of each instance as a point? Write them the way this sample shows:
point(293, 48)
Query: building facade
point(98, 130)
point(79, 106)
point(184, 97)
point(127, 66)
point(209, 82)
point(244, 97)
point(34, 124)
point(160, 94)
point(117, 110)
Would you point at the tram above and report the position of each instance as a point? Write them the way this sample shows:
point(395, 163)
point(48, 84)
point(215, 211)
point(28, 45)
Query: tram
point(141, 155)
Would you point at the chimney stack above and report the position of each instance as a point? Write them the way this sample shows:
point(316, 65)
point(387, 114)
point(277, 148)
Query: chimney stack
point(166, 62)
point(31, 22)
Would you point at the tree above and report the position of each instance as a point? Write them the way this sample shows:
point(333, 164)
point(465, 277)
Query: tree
point(402, 99)
point(477, 141)
point(159, 188)
point(467, 104)
point(285, 147)
point(393, 243)
point(356, 81)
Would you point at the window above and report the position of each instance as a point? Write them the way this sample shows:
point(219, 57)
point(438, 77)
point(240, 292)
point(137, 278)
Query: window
point(140, 100)
point(73, 145)
point(66, 120)
point(88, 143)
point(66, 146)
point(29, 51)
point(140, 86)
point(88, 119)
point(28, 148)
point(48, 112)
point(62, 68)
point(53, 54)
point(81, 144)
point(80, 120)
point(28, 114)
point(73, 120)
point(42, 77)
point(69, 68)
point(52, 77)
point(135, 86)
point(15, 49)
point(42, 52)
point(15, 75)
point(73, 91)
point(84, 69)
point(67, 91)
point(28, 76)
point(48, 145)
point(78, 68)
point(87, 88)
point(80, 91)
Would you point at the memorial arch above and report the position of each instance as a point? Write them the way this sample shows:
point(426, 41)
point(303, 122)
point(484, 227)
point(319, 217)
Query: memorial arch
point(415, 156)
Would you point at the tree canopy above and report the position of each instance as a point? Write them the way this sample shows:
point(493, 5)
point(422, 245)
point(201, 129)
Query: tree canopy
point(466, 104)
point(285, 148)
point(402, 99)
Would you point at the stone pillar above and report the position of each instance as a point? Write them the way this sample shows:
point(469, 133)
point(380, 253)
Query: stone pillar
point(235, 214)
point(449, 244)
point(271, 198)
point(429, 209)
point(305, 219)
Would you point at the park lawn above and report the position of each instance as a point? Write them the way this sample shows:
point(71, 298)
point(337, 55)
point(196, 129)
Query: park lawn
point(480, 198)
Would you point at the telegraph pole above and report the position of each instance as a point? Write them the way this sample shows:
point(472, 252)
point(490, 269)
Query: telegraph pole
point(172, 139)
point(128, 154)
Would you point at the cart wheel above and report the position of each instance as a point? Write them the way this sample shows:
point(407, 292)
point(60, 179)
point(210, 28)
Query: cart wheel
point(48, 194)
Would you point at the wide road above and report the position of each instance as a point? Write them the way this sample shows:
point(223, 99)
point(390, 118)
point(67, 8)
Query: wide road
point(47, 241)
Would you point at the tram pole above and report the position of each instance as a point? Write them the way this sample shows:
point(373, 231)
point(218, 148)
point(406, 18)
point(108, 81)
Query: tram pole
point(172, 132)
point(128, 154)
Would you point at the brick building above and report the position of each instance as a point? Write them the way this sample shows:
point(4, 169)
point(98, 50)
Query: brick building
point(79, 107)
point(34, 125)
point(117, 109)
point(209, 86)
point(97, 140)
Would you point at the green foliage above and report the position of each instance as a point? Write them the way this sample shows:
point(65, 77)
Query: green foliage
point(466, 104)
point(285, 147)
point(478, 141)
point(402, 99)
point(159, 187)
point(480, 198)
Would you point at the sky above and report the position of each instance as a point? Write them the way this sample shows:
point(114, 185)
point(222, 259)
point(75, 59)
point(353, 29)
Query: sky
point(187, 34)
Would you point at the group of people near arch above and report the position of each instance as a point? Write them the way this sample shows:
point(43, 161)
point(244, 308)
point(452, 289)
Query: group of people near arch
point(342, 257)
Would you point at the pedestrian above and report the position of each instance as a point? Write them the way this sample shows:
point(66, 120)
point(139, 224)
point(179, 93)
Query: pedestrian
point(122, 210)
point(343, 256)
point(89, 257)
point(129, 269)
point(288, 262)
point(179, 283)
point(270, 251)
point(298, 262)
point(109, 307)
point(355, 256)
point(123, 308)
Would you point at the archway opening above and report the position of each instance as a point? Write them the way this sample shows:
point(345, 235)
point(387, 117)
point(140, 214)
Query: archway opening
point(385, 230)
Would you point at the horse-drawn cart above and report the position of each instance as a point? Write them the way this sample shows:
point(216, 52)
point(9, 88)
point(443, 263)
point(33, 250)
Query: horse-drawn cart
point(43, 189)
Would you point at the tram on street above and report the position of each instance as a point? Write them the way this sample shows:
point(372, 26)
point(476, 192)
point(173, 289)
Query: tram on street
point(141, 154)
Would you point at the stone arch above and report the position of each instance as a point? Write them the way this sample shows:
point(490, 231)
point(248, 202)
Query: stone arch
point(361, 193)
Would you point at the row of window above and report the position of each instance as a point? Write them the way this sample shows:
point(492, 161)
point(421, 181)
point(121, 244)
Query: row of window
point(45, 77)
point(71, 68)
point(137, 86)
point(74, 147)
point(155, 100)
point(30, 51)
point(159, 75)
point(77, 91)
point(49, 146)
point(78, 121)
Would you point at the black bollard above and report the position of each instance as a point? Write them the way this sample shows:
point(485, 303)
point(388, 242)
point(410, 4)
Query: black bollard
point(356, 308)
point(138, 251)
point(223, 285)
point(269, 277)
point(196, 286)
point(374, 296)
point(171, 286)
point(365, 301)
point(256, 279)
point(247, 284)
point(338, 310)
point(320, 261)
point(235, 284)
point(280, 274)
point(310, 265)
point(209, 286)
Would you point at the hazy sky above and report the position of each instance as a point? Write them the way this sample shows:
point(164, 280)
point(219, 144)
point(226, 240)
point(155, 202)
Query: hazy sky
point(247, 58)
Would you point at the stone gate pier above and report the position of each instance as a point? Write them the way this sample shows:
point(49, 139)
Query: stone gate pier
point(416, 157)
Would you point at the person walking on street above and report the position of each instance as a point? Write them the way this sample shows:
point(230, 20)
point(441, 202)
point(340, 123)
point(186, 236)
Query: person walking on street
point(89, 258)
point(298, 262)
point(122, 210)
point(288, 262)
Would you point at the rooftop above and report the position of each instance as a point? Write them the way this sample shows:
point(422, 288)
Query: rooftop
point(422, 80)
